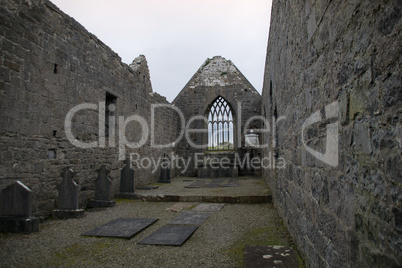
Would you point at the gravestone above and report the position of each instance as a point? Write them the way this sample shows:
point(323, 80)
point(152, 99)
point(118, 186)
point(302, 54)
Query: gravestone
point(16, 210)
point(126, 182)
point(164, 176)
point(103, 190)
point(68, 197)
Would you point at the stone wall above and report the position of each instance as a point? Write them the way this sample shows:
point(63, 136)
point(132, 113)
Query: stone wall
point(347, 213)
point(216, 77)
point(49, 64)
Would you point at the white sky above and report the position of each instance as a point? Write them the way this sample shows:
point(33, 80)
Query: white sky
point(177, 36)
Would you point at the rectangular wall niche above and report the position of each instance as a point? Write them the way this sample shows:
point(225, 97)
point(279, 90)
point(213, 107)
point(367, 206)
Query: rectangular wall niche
point(51, 154)
point(110, 111)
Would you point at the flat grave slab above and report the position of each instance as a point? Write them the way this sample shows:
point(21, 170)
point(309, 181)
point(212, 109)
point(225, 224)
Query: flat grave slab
point(196, 184)
point(218, 180)
point(121, 228)
point(212, 185)
point(169, 235)
point(180, 206)
point(190, 218)
point(211, 207)
point(230, 184)
point(270, 256)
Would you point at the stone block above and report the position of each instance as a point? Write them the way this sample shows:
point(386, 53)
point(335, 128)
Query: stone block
point(361, 138)
point(19, 224)
point(68, 214)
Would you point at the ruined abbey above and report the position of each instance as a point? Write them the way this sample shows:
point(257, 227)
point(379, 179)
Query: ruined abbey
point(325, 134)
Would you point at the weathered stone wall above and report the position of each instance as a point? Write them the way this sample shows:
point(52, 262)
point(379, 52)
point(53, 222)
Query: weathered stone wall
point(49, 64)
point(347, 53)
point(216, 77)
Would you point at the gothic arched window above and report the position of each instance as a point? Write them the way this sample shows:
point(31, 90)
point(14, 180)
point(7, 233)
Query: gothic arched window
point(220, 126)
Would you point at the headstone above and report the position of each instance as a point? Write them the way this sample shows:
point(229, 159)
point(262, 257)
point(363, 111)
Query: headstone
point(126, 182)
point(164, 176)
point(68, 197)
point(121, 228)
point(103, 190)
point(16, 210)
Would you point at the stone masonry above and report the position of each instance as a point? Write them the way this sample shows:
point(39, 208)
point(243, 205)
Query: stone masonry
point(216, 77)
point(348, 54)
point(331, 102)
point(49, 64)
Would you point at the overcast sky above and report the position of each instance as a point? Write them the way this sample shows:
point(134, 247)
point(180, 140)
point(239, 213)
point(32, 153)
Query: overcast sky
point(177, 36)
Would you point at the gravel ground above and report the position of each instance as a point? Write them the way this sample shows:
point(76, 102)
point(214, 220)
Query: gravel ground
point(219, 242)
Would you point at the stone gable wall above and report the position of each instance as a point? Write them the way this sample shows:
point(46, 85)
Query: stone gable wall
point(216, 77)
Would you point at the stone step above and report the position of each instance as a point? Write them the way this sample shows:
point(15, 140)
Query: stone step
point(247, 199)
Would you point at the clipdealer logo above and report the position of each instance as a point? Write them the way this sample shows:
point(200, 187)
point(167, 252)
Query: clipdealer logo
point(330, 156)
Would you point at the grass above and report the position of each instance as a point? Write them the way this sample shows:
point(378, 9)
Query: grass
point(78, 254)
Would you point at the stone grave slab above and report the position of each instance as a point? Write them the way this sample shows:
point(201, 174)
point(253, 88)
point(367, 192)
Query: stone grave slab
point(196, 184)
point(218, 180)
point(121, 228)
point(180, 206)
point(270, 256)
point(170, 235)
point(210, 207)
point(190, 218)
point(230, 184)
point(212, 185)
